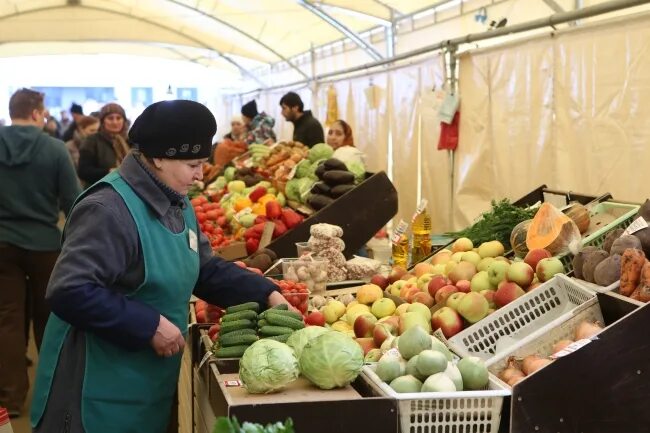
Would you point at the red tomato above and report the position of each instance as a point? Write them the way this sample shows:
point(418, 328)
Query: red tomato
point(202, 199)
point(212, 215)
point(195, 202)
point(201, 216)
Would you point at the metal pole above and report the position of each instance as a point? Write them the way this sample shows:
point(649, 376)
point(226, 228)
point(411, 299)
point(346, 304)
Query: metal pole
point(314, 83)
point(550, 21)
point(453, 84)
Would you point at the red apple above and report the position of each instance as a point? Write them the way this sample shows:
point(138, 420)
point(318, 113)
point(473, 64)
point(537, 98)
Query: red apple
point(315, 318)
point(364, 324)
point(423, 298)
point(396, 273)
point(380, 281)
point(381, 332)
point(407, 276)
point(444, 293)
point(463, 286)
point(436, 283)
point(448, 321)
point(367, 344)
point(507, 292)
point(534, 256)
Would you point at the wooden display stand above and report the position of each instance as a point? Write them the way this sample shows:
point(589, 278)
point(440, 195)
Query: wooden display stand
point(361, 213)
point(603, 387)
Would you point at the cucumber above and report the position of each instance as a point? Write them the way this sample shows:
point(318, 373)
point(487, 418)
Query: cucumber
point(236, 325)
point(237, 340)
point(262, 322)
point(245, 331)
point(281, 320)
point(269, 330)
point(245, 314)
point(281, 338)
point(280, 307)
point(284, 313)
point(241, 307)
point(231, 352)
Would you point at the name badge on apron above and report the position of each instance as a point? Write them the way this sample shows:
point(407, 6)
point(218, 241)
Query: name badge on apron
point(194, 241)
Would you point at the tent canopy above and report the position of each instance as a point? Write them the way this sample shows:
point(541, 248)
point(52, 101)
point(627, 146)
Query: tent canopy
point(266, 31)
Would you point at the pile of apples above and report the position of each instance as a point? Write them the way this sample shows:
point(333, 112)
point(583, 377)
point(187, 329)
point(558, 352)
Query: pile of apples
point(465, 284)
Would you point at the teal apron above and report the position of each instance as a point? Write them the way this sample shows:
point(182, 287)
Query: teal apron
point(127, 391)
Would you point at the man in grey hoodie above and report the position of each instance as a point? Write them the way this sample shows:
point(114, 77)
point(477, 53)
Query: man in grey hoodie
point(37, 179)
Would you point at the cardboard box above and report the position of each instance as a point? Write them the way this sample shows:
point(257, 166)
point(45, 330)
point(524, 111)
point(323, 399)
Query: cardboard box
point(234, 251)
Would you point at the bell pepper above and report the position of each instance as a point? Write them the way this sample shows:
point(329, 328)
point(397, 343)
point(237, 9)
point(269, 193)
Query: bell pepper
point(257, 193)
point(291, 218)
point(273, 210)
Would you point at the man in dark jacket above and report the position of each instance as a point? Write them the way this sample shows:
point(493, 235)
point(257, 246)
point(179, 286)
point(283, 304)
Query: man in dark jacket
point(306, 129)
point(77, 113)
point(38, 179)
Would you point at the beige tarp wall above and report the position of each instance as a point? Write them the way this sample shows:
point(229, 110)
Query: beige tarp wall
point(571, 112)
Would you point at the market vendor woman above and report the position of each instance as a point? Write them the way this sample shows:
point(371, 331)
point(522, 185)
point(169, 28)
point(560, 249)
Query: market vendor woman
point(132, 256)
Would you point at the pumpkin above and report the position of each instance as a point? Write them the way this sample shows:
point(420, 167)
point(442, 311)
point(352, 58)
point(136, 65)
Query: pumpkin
point(518, 238)
point(552, 231)
point(580, 215)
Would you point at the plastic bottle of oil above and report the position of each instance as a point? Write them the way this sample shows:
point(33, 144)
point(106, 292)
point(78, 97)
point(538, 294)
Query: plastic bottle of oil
point(400, 245)
point(421, 231)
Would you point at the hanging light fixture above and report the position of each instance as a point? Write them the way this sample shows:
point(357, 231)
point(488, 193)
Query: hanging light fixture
point(169, 90)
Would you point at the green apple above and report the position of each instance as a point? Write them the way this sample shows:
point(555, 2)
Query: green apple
point(484, 263)
point(419, 308)
point(497, 272)
point(491, 249)
point(454, 300)
point(423, 281)
point(480, 282)
point(457, 257)
point(472, 257)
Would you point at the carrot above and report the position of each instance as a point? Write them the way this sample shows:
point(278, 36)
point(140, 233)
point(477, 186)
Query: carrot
point(632, 263)
point(644, 283)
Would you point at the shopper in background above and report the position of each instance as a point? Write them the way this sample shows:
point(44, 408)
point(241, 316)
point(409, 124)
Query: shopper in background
point(120, 294)
point(38, 180)
point(102, 152)
point(76, 111)
point(64, 121)
point(306, 129)
point(339, 136)
point(260, 125)
point(86, 126)
point(238, 130)
point(52, 127)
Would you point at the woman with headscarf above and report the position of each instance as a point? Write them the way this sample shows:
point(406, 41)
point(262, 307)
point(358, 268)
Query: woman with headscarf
point(104, 151)
point(339, 136)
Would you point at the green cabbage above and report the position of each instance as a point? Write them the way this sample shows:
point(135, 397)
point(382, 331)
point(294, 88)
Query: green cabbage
point(302, 169)
point(298, 189)
point(312, 169)
point(358, 169)
point(320, 151)
point(298, 339)
point(331, 360)
point(267, 366)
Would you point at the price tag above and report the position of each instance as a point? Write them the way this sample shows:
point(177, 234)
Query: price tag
point(399, 231)
point(292, 173)
point(232, 383)
point(392, 352)
point(571, 348)
point(440, 336)
point(637, 225)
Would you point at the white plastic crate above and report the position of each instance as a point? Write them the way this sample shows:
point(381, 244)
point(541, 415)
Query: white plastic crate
point(524, 316)
point(542, 343)
point(612, 290)
point(445, 412)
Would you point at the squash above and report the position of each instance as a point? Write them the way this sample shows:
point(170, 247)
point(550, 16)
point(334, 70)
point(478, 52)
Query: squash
point(518, 238)
point(580, 215)
point(552, 230)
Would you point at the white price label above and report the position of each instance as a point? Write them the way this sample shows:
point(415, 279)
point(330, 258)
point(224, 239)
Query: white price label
point(421, 208)
point(637, 225)
point(292, 173)
point(440, 336)
point(392, 352)
point(232, 383)
point(399, 231)
point(571, 348)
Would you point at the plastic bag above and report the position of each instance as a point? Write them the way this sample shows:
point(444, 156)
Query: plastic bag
point(361, 268)
point(553, 231)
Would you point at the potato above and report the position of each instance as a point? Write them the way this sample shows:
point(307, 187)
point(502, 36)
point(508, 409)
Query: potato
point(591, 260)
point(611, 237)
point(578, 261)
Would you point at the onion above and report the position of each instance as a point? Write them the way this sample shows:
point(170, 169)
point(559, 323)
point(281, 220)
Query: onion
point(587, 330)
point(532, 363)
point(511, 371)
point(561, 345)
point(515, 380)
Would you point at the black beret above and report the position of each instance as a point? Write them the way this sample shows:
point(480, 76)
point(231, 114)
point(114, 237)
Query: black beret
point(174, 129)
point(249, 109)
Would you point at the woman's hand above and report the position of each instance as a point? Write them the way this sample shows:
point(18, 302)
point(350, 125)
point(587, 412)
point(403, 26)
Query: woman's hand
point(275, 298)
point(168, 339)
